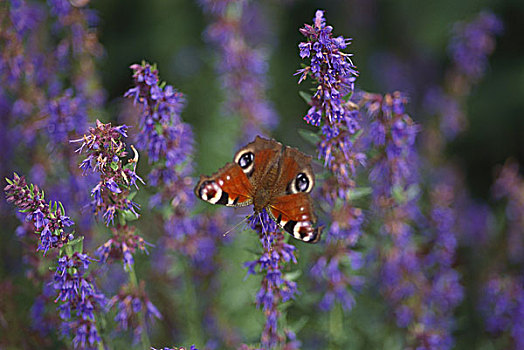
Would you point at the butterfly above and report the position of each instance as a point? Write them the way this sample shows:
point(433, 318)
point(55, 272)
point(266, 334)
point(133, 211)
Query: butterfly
point(270, 176)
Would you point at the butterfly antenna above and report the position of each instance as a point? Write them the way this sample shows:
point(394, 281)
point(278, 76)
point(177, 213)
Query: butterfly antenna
point(234, 227)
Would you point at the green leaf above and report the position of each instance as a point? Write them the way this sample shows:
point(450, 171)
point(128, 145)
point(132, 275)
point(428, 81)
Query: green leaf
point(357, 193)
point(62, 208)
point(299, 324)
point(132, 195)
point(129, 215)
point(356, 135)
point(398, 194)
point(76, 245)
point(8, 181)
point(292, 276)
point(310, 136)
point(114, 166)
point(305, 96)
point(402, 195)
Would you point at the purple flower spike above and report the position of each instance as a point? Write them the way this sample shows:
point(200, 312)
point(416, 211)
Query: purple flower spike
point(242, 66)
point(275, 288)
point(333, 75)
point(49, 219)
point(105, 148)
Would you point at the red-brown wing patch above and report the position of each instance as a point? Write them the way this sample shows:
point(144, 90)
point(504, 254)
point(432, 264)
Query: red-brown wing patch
point(294, 213)
point(295, 164)
point(228, 186)
point(290, 170)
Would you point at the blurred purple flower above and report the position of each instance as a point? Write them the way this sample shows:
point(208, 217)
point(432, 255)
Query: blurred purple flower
point(502, 307)
point(242, 68)
point(470, 47)
point(510, 186)
point(130, 303)
point(122, 246)
point(472, 43)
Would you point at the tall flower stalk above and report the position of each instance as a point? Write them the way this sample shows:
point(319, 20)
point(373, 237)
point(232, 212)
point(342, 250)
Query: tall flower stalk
point(79, 299)
point(469, 49)
point(112, 200)
point(501, 301)
point(49, 88)
point(275, 289)
point(418, 279)
point(168, 142)
point(241, 66)
point(333, 75)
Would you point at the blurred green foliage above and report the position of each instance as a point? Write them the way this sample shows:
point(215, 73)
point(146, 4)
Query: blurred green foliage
point(170, 33)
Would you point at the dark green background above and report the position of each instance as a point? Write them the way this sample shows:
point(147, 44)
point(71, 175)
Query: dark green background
point(415, 32)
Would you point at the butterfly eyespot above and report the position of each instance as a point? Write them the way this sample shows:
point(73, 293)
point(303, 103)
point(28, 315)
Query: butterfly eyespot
point(302, 183)
point(246, 161)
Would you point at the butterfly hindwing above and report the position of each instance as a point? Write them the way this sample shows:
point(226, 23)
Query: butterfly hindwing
point(294, 213)
point(292, 206)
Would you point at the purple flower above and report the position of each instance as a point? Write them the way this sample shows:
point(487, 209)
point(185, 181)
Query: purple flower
point(49, 219)
point(333, 75)
point(112, 186)
point(502, 305)
point(274, 289)
point(510, 186)
point(330, 68)
point(168, 141)
point(78, 299)
point(122, 130)
point(38, 218)
point(472, 44)
point(169, 144)
point(104, 146)
point(130, 302)
point(124, 243)
point(242, 67)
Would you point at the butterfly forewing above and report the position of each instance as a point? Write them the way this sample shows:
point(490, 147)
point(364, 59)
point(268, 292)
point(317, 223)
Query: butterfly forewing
point(228, 186)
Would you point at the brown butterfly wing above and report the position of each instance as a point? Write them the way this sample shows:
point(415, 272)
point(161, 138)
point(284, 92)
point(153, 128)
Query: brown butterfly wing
point(228, 186)
point(292, 207)
point(235, 184)
point(294, 213)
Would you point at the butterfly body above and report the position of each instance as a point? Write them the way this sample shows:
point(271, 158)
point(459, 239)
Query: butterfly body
point(270, 176)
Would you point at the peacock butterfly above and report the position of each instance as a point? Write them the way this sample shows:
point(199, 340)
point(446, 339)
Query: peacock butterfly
point(270, 176)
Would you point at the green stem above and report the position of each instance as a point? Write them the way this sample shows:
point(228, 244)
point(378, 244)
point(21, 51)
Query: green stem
point(194, 330)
